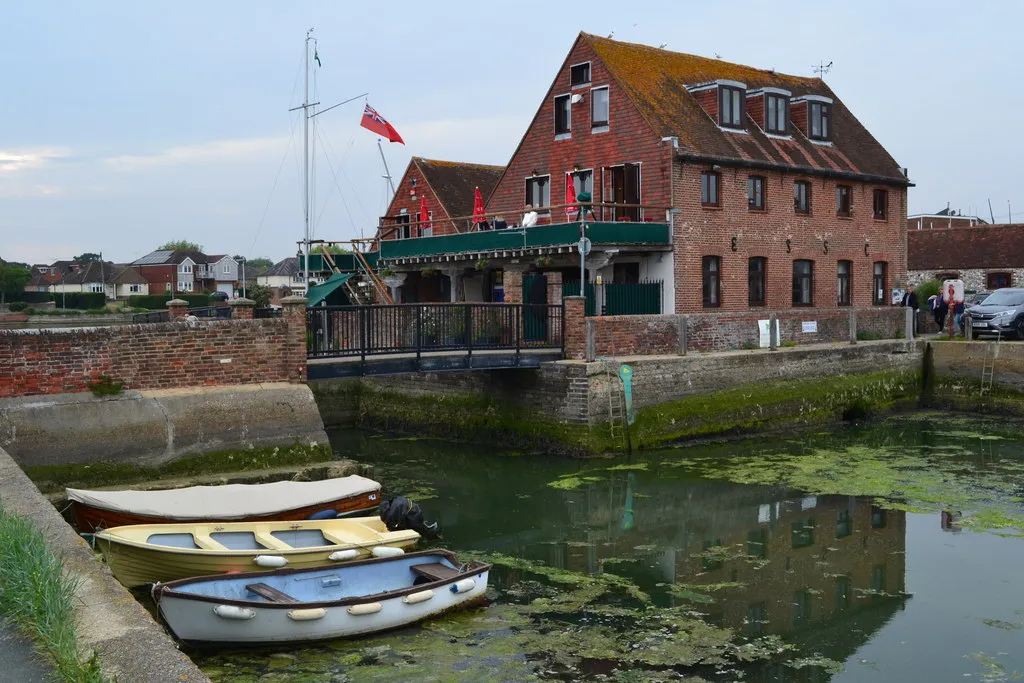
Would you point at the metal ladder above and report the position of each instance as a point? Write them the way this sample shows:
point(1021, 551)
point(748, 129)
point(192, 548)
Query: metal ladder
point(616, 403)
point(988, 365)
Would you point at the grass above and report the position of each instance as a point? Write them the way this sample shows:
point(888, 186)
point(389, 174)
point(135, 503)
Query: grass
point(37, 597)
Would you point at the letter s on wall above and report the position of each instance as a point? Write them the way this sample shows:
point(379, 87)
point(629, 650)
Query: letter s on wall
point(788, 246)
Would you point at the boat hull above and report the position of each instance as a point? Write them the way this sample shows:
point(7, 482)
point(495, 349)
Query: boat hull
point(207, 620)
point(89, 519)
point(135, 559)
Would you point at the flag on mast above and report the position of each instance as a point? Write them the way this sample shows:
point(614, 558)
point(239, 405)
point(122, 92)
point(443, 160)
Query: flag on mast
point(376, 123)
point(316, 56)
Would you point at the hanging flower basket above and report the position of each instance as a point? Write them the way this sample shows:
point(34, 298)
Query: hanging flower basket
point(481, 264)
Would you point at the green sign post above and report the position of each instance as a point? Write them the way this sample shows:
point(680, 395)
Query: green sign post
point(626, 375)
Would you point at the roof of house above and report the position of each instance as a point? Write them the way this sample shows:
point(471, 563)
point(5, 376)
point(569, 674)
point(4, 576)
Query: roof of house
point(453, 182)
point(91, 271)
point(288, 266)
point(126, 275)
point(985, 246)
point(162, 257)
point(656, 81)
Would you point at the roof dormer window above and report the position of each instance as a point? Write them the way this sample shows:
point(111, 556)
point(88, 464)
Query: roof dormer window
point(730, 106)
point(776, 114)
point(819, 120)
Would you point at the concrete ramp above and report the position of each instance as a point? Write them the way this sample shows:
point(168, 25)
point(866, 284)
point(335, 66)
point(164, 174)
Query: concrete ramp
point(152, 427)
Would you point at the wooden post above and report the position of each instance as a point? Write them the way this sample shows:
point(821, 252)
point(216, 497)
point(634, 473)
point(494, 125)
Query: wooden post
point(853, 326)
point(591, 341)
point(773, 333)
point(682, 335)
point(908, 322)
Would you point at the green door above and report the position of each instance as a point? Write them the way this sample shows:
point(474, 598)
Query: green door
point(535, 309)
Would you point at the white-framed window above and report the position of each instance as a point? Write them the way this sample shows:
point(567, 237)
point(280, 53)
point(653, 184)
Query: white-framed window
point(184, 285)
point(134, 289)
point(538, 192)
point(96, 288)
point(563, 117)
point(167, 287)
point(428, 229)
point(185, 268)
point(579, 75)
point(599, 109)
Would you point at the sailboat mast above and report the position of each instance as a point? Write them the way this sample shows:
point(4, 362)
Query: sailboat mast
point(305, 161)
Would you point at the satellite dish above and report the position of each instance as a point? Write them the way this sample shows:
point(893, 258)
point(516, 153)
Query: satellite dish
point(576, 99)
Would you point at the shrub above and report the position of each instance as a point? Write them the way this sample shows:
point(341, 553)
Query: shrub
point(926, 289)
point(80, 300)
point(31, 297)
point(16, 306)
point(868, 335)
point(105, 386)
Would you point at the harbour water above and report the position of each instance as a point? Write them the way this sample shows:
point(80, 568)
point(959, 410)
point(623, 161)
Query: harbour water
point(884, 552)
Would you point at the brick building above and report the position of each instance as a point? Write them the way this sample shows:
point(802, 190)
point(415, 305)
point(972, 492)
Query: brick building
point(773, 194)
point(186, 271)
point(947, 218)
point(985, 257)
point(780, 196)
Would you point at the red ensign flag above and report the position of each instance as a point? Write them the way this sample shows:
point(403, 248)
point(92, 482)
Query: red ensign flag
point(375, 122)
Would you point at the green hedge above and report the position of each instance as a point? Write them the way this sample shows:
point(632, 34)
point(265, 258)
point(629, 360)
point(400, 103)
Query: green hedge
point(31, 297)
point(157, 302)
point(80, 300)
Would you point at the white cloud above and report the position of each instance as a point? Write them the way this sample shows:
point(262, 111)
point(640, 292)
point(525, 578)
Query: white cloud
point(25, 159)
point(215, 150)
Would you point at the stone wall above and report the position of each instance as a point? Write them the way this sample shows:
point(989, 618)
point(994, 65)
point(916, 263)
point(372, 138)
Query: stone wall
point(153, 426)
point(154, 356)
point(641, 335)
point(975, 279)
point(966, 359)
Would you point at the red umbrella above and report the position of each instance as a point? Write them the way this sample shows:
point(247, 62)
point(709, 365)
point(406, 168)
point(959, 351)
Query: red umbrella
point(424, 215)
point(570, 196)
point(478, 207)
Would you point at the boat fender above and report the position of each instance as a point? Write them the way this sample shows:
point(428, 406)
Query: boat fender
point(233, 612)
point(463, 586)
point(341, 555)
point(365, 608)
point(387, 551)
point(307, 614)
point(330, 513)
point(422, 596)
point(272, 561)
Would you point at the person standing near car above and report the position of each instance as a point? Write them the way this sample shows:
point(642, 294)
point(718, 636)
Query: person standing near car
point(910, 301)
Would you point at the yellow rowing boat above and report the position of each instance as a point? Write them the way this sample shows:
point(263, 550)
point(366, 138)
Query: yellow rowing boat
point(147, 553)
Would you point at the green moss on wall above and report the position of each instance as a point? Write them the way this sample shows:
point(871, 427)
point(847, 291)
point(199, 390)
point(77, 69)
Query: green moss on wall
point(51, 478)
point(776, 405)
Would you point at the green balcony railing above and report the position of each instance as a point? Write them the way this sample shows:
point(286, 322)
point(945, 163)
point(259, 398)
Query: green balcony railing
point(345, 262)
point(558, 234)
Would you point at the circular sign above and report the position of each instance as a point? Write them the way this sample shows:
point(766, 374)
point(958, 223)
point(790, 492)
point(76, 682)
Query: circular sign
point(583, 246)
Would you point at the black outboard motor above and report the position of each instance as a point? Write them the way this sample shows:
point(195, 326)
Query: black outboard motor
point(401, 513)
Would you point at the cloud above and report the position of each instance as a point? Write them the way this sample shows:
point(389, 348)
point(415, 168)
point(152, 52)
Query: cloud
point(27, 159)
point(29, 191)
point(215, 150)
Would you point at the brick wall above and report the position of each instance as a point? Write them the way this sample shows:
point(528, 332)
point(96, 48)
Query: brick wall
point(781, 236)
point(638, 335)
point(155, 356)
point(440, 220)
point(628, 140)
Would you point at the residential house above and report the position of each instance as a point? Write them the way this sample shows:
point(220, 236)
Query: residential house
point(283, 278)
point(947, 218)
point(86, 276)
point(126, 282)
point(985, 257)
point(735, 187)
point(182, 271)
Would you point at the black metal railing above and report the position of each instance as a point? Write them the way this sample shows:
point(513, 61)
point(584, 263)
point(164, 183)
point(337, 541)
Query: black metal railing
point(151, 317)
point(423, 328)
point(268, 312)
point(221, 312)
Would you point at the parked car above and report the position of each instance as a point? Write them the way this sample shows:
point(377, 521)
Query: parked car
point(1002, 312)
point(970, 302)
point(219, 296)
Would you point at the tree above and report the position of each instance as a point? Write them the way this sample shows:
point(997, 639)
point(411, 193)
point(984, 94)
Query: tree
point(13, 279)
point(259, 263)
point(87, 256)
point(260, 294)
point(185, 245)
point(331, 249)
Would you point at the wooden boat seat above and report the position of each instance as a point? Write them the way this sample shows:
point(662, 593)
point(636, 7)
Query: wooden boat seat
point(269, 592)
point(205, 542)
point(435, 571)
point(270, 542)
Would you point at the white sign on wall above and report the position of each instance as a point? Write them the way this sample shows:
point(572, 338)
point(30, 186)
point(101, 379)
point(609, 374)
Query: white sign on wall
point(809, 326)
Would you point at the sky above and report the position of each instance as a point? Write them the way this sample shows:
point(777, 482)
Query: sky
point(127, 124)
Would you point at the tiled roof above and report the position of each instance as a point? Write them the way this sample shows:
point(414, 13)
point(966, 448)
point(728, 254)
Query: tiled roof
point(92, 271)
point(167, 257)
point(288, 266)
point(453, 182)
point(126, 275)
point(986, 246)
point(656, 81)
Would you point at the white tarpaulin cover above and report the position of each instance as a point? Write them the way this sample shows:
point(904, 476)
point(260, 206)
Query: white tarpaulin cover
point(231, 501)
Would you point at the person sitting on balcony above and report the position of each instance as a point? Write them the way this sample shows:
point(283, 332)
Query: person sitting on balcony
point(529, 217)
